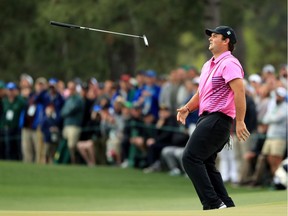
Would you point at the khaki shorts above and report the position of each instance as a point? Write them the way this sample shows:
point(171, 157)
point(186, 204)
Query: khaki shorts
point(71, 134)
point(275, 147)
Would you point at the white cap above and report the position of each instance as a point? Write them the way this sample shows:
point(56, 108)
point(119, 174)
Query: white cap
point(268, 69)
point(93, 81)
point(282, 92)
point(196, 80)
point(28, 78)
point(133, 81)
point(255, 78)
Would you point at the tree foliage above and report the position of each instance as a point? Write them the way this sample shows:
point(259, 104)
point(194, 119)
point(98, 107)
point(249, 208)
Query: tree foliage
point(175, 30)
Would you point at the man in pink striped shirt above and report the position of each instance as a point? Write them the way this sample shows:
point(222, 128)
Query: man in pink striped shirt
point(220, 99)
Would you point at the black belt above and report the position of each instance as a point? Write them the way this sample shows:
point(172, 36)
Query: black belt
point(206, 113)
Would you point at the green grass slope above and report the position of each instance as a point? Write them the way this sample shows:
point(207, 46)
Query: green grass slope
point(28, 188)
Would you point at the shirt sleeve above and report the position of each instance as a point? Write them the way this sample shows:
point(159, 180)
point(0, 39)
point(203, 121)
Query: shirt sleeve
point(232, 71)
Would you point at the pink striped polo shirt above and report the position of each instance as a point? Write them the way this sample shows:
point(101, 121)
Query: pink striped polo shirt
point(215, 94)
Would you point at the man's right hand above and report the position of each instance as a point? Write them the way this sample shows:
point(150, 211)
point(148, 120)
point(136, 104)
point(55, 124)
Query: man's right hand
point(182, 114)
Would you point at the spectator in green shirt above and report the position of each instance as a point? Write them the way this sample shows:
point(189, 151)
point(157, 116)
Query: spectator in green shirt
point(72, 114)
point(13, 104)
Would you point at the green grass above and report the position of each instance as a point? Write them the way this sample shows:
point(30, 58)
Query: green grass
point(30, 187)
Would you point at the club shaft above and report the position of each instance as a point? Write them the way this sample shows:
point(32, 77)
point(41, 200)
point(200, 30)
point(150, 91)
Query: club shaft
point(111, 32)
point(92, 29)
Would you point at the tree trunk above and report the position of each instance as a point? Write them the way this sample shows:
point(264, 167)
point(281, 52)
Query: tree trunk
point(121, 60)
point(240, 50)
point(212, 13)
point(211, 16)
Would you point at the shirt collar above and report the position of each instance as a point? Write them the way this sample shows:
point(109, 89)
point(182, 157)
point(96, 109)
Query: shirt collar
point(223, 55)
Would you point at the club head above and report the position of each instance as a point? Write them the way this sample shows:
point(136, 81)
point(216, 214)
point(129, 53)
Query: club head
point(145, 41)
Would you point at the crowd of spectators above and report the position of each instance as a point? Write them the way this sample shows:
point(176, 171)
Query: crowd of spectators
point(131, 122)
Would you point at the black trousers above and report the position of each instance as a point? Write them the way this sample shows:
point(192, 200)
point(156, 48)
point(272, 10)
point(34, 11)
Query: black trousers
point(12, 144)
point(211, 134)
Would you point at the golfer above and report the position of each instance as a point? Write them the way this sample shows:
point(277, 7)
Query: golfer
point(220, 99)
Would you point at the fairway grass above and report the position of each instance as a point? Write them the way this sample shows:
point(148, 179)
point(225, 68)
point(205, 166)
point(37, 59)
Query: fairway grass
point(29, 189)
point(275, 209)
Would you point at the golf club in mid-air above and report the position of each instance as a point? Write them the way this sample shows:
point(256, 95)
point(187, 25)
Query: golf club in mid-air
point(66, 25)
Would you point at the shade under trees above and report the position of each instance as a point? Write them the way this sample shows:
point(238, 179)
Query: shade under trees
point(175, 30)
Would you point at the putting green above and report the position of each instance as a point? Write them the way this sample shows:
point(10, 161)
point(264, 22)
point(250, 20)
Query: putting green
point(30, 190)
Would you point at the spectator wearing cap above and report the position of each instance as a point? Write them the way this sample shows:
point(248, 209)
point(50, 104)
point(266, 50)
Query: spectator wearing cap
point(267, 71)
point(275, 144)
point(255, 82)
point(41, 84)
point(124, 89)
point(30, 120)
point(72, 114)
point(53, 82)
point(52, 96)
point(150, 95)
point(269, 77)
point(26, 85)
point(13, 104)
point(93, 88)
point(255, 79)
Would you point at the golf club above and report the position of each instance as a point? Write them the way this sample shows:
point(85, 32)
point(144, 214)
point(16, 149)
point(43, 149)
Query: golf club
point(66, 25)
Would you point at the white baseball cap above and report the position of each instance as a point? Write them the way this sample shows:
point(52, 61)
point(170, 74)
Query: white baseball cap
point(255, 78)
point(196, 80)
point(268, 69)
point(282, 92)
